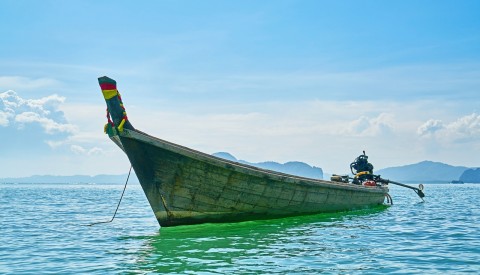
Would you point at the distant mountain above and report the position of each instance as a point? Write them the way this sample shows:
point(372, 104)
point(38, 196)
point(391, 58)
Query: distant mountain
point(225, 155)
point(73, 179)
point(425, 171)
point(471, 175)
point(293, 167)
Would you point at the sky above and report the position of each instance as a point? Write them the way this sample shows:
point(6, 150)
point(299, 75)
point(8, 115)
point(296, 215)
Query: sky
point(312, 81)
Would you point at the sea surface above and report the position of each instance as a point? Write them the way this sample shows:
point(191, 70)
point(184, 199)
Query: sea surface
point(43, 230)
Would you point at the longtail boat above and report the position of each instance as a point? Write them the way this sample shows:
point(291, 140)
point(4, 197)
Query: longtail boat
point(185, 186)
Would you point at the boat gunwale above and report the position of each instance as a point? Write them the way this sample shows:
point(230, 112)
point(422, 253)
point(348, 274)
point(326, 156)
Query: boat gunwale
point(245, 168)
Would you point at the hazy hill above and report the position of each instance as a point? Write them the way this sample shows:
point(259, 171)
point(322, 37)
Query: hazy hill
point(471, 175)
point(293, 167)
point(425, 171)
point(73, 179)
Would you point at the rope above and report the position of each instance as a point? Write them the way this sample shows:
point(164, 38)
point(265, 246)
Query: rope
point(389, 199)
point(118, 205)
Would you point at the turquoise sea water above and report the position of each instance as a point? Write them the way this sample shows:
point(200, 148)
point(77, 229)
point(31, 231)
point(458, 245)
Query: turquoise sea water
point(43, 231)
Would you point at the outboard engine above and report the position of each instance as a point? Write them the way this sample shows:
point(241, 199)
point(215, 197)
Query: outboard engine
point(362, 169)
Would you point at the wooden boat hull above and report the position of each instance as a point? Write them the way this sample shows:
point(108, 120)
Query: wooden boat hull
point(184, 186)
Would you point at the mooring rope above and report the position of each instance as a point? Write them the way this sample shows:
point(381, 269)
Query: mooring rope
point(118, 205)
point(389, 199)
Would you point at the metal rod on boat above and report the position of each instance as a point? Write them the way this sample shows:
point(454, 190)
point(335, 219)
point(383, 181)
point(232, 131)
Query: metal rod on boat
point(417, 190)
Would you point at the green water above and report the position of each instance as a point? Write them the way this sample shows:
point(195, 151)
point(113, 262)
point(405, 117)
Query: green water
point(43, 231)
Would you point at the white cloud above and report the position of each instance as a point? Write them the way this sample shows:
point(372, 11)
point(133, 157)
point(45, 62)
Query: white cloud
point(465, 129)
point(49, 125)
point(45, 103)
point(370, 127)
point(77, 149)
point(323, 133)
point(55, 143)
point(43, 111)
point(95, 151)
point(4, 118)
point(430, 127)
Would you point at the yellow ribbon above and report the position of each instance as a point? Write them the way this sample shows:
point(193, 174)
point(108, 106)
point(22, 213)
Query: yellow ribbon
point(107, 94)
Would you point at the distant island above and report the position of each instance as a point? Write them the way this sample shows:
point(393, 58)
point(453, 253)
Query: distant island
point(471, 175)
point(296, 168)
point(77, 179)
point(424, 172)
